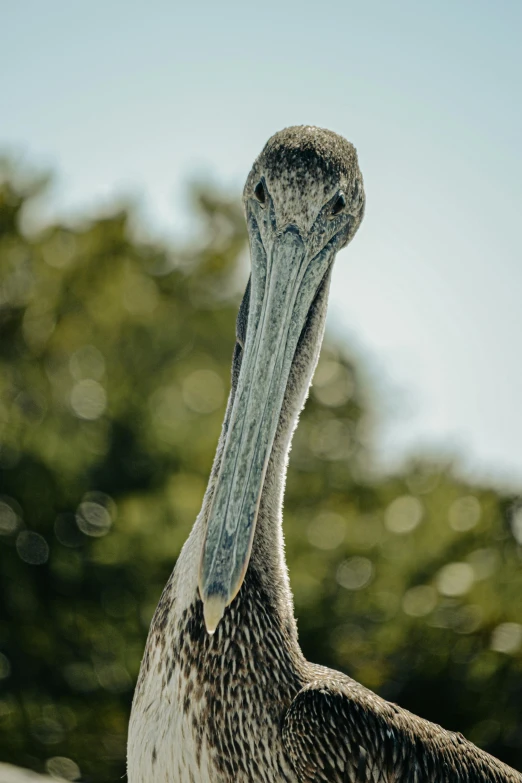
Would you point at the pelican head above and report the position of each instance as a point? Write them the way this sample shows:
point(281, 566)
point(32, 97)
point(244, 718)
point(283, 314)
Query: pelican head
point(304, 201)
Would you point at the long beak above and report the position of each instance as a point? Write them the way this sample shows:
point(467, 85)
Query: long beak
point(281, 296)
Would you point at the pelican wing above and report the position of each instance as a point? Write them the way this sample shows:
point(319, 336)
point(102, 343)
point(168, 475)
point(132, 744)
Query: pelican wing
point(336, 731)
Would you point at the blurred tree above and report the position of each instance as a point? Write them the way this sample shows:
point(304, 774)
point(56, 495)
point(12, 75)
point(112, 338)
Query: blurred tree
point(114, 371)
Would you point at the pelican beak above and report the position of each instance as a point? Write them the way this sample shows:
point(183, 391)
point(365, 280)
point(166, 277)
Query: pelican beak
point(283, 289)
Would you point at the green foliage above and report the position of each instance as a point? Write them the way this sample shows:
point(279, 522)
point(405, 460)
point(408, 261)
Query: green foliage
point(114, 371)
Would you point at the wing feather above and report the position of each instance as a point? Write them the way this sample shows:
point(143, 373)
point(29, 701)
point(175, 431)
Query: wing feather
point(336, 731)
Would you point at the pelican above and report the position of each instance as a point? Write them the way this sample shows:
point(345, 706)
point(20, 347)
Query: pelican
point(224, 693)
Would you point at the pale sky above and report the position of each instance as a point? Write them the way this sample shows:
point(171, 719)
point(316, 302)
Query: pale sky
point(126, 97)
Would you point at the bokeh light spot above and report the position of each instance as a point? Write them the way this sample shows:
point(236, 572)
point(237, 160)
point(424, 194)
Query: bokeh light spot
point(327, 371)
point(62, 768)
point(332, 386)
point(455, 579)
point(484, 562)
point(327, 530)
point(403, 514)
point(8, 519)
point(32, 548)
point(88, 399)
point(93, 515)
point(203, 391)
point(464, 513)
point(419, 601)
point(468, 619)
point(60, 248)
point(113, 677)
point(355, 573)
point(37, 327)
point(47, 731)
point(87, 362)
point(507, 638)
point(331, 440)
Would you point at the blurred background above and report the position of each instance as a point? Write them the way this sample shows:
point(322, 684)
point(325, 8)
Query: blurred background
point(127, 131)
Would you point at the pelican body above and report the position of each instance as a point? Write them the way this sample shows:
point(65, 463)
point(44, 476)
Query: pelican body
point(225, 694)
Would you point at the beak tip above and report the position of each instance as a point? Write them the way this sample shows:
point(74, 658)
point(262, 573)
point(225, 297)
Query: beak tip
point(213, 610)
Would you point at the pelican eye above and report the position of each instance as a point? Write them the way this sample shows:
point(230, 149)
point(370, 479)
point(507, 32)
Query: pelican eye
point(339, 205)
point(260, 193)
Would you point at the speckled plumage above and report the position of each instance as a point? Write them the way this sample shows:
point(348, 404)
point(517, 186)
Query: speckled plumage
point(243, 704)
